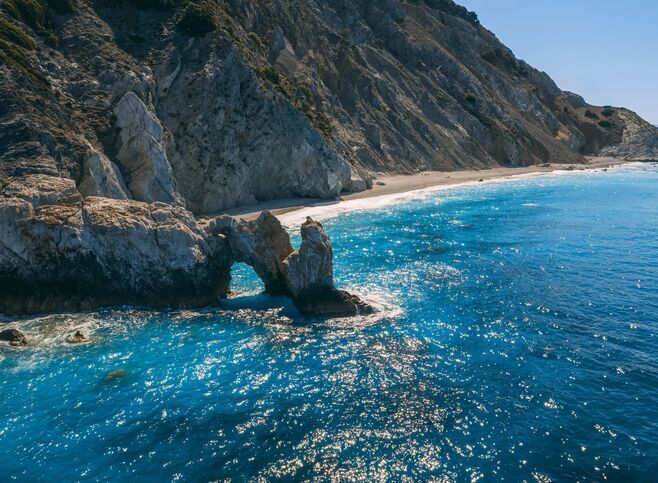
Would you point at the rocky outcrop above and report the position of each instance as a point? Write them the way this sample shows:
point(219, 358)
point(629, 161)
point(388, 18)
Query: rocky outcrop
point(306, 274)
point(309, 276)
point(79, 337)
point(264, 244)
point(13, 337)
point(60, 251)
point(310, 268)
point(75, 253)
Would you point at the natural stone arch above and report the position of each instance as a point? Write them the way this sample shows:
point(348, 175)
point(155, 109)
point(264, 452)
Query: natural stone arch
point(306, 274)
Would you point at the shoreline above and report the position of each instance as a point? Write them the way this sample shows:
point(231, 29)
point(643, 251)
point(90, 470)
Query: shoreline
point(388, 189)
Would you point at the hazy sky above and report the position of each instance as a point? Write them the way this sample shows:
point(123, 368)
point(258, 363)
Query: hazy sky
point(604, 50)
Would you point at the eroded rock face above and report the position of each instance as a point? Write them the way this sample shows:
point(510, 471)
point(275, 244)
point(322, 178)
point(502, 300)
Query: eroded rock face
point(235, 143)
point(306, 274)
point(101, 177)
point(98, 252)
point(142, 152)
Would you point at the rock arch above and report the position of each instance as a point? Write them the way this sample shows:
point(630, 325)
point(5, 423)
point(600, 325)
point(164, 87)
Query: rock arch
point(306, 274)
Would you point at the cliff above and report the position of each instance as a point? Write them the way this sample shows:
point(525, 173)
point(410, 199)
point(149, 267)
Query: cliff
point(121, 120)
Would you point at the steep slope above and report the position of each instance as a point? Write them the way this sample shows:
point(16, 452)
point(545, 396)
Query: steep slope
point(213, 105)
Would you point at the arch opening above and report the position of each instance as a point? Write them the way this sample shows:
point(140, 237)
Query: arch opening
point(245, 281)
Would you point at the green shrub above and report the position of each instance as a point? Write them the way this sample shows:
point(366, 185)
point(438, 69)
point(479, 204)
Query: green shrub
point(62, 7)
point(255, 38)
point(318, 118)
point(15, 59)
point(269, 73)
point(30, 12)
point(606, 124)
point(13, 33)
point(607, 112)
point(590, 114)
point(197, 18)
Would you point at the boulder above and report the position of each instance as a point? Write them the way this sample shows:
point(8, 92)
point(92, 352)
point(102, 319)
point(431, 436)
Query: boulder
point(14, 337)
point(101, 177)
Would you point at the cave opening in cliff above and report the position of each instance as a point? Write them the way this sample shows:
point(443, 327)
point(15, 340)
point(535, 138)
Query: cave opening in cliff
point(245, 281)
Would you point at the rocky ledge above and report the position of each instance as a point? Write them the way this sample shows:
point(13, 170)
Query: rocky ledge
point(59, 251)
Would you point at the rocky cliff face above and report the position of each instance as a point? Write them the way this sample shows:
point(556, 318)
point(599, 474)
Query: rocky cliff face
point(121, 119)
point(212, 104)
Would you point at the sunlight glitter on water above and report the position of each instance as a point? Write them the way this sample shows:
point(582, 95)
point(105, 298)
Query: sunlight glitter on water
point(516, 343)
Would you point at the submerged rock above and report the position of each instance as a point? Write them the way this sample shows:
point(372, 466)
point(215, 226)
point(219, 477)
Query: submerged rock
point(14, 337)
point(80, 337)
point(332, 302)
point(114, 375)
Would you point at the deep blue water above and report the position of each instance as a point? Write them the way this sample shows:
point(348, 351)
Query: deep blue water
point(521, 343)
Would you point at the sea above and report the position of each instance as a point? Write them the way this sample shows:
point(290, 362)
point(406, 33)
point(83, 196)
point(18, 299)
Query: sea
point(516, 340)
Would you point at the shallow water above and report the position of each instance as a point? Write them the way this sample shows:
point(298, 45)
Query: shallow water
point(520, 341)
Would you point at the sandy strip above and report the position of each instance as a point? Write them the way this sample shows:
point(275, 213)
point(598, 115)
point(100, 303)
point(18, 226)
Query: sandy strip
point(388, 189)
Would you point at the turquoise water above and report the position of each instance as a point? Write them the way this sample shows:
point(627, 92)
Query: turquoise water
point(520, 341)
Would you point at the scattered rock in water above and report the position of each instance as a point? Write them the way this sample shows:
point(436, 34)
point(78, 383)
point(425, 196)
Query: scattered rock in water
point(480, 180)
point(114, 375)
point(14, 336)
point(605, 169)
point(80, 337)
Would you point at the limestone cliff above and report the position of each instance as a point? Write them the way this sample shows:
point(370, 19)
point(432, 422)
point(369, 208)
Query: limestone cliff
point(211, 104)
point(120, 120)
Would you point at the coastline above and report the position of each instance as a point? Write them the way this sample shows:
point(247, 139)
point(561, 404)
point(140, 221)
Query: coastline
point(390, 188)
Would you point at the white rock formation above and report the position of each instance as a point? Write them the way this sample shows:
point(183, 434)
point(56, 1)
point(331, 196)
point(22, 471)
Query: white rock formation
point(101, 177)
point(142, 152)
